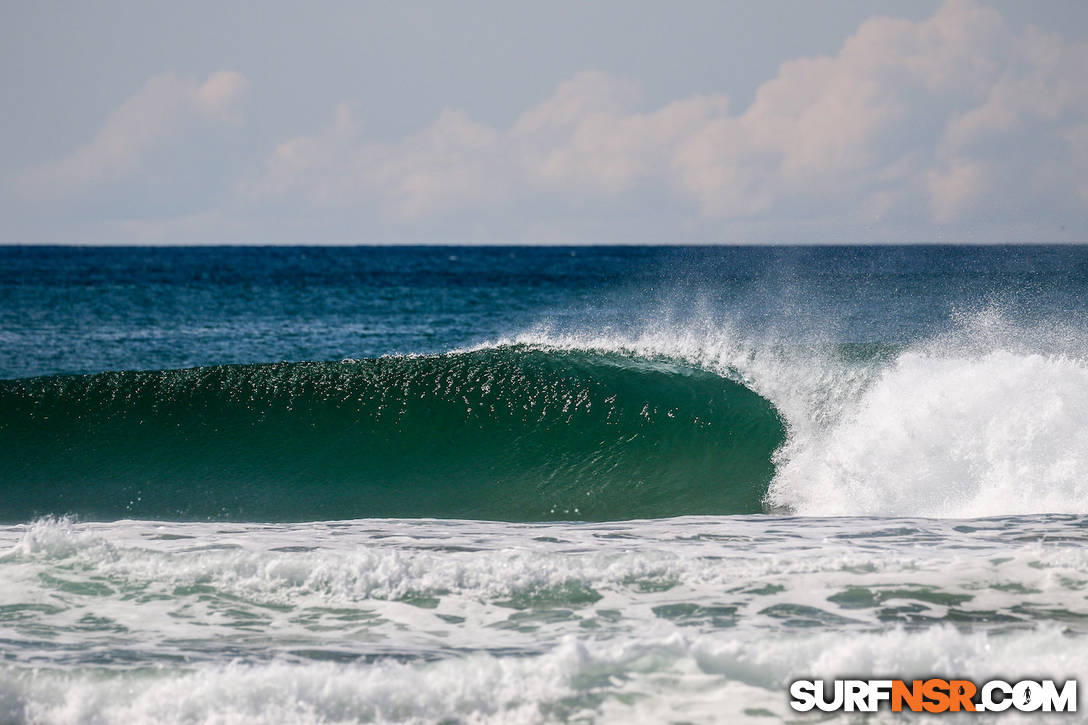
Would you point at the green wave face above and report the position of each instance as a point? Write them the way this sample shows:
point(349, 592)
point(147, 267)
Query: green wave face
point(509, 433)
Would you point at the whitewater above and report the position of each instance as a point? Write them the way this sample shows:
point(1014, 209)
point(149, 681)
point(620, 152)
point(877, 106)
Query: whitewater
point(602, 486)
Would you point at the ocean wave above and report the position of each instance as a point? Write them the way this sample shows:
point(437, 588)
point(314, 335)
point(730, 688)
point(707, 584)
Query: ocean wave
point(988, 419)
point(508, 432)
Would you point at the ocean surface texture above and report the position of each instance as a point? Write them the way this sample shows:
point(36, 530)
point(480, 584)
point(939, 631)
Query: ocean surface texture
point(522, 485)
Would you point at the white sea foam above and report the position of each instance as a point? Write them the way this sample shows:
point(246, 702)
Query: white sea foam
point(104, 593)
point(637, 679)
point(1000, 433)
point(701, 619)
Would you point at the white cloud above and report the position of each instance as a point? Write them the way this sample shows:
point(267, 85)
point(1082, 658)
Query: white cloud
point(453, 161)
point(1043, 79)
point(160, 108)
point(586, 139)
point(218, 98)
point(905, 116)
point(818, 128)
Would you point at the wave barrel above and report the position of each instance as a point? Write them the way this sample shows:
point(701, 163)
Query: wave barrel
point(508, 433)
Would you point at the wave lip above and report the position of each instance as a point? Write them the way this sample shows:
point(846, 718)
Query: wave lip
point(508, 433)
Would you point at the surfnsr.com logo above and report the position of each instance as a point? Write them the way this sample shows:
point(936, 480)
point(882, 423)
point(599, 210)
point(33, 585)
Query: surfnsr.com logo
point(933, 695)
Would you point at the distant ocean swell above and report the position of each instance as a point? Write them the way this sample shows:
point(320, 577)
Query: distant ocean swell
point(506, 433)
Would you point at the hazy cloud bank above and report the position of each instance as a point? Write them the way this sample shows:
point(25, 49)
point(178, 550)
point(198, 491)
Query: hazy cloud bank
point(907, 116)
point(946, 122)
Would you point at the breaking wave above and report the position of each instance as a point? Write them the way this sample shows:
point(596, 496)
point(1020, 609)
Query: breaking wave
point(987, 420)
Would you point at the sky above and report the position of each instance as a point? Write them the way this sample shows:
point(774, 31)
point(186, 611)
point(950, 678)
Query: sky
point(703, 121)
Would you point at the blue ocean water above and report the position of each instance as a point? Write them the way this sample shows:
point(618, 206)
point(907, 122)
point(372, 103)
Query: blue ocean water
point(85, 310)
point(509, 484)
